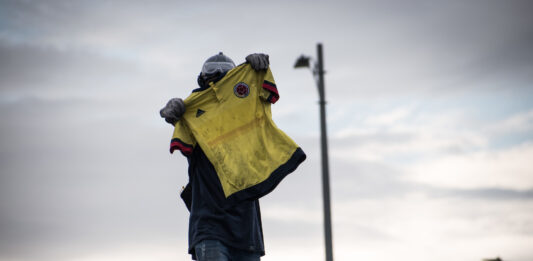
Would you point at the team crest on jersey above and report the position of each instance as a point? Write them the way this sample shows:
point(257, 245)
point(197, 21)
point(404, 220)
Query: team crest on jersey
point(241, 90)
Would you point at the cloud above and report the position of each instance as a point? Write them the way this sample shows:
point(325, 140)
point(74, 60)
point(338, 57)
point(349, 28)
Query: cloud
point(440, 47)
point(423, 146)
point(416, 227)
point(507, 168)
point(91, 191)
point(399, 134)
point(413, 225)
point(29, 70)
point(486, 193)
point(520, 122)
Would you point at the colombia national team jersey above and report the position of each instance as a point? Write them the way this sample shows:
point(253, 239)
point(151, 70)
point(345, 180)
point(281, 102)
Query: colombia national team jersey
point(231, 121)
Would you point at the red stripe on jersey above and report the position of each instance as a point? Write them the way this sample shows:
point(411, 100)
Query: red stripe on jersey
point(274, 97)
point(177, 144)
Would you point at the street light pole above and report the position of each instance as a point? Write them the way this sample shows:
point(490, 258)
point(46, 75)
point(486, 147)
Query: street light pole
point(324, 148)
point(318, 68)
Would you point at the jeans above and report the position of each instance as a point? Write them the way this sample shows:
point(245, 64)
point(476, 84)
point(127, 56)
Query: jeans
point(214, 250)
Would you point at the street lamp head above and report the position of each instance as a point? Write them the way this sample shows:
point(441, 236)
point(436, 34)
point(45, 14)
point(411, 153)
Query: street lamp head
point(302, 62)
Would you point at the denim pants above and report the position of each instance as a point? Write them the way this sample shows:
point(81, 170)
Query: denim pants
point(214, 250)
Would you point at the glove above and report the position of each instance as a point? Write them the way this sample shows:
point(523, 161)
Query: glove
point(258, 61)
point(173, 110)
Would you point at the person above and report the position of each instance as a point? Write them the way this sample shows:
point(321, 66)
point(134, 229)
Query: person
point(225, 220)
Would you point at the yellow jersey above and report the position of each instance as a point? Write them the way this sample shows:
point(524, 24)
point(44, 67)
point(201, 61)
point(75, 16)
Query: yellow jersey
point(232, 122)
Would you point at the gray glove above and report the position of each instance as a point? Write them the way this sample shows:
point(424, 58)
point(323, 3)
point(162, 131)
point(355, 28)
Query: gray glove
point(173, 110)
point(258, 61)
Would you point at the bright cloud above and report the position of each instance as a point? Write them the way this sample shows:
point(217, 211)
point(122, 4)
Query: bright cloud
point(509, 168)
point(417, 227)
point(414, 227)
point(521, 122)
point(443, 149)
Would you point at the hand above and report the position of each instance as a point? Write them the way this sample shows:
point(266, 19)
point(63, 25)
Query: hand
point(173, 110)
point(258, 61)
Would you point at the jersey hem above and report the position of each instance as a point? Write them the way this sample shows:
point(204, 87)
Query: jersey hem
point(268, 185)
point(177, 144)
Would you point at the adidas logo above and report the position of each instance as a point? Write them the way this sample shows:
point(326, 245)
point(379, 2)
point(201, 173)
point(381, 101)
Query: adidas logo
point(199, 113)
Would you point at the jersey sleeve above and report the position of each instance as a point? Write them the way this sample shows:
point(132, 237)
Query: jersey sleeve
point(269, 92)
point(182, 139)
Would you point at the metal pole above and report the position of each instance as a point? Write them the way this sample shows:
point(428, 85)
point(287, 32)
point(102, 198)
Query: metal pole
point(325, 165)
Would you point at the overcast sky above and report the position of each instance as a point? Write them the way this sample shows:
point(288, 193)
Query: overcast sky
point(430, 121)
